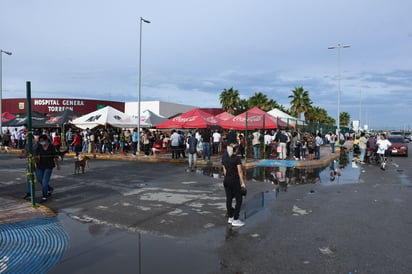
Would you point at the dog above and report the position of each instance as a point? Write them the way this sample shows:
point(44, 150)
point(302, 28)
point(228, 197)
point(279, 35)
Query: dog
point(81, 163)
point(61, 154)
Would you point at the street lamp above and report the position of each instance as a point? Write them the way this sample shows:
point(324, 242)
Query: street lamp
point(338, 46)
point(1, 86)
point(140, 81)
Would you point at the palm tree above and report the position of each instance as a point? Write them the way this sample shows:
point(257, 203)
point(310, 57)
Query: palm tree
point(300, 102)
point(243, 106)
point(229, 99)
point(261, 101)
point(344, 118)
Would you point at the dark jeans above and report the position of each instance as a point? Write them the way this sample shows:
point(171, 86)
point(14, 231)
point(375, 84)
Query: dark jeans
point(43, 178)
point(232, 192)
point(175, 152)
point(317, 152)
point(134, 145)
point(215, 148)
point(206, 151)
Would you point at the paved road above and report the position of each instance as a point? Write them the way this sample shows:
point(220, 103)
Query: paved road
point(153, 217)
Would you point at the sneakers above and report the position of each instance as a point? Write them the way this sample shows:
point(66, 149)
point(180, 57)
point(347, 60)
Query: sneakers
point(237, 223)
point(43, 199)
point(230, 220)
point(27, 196)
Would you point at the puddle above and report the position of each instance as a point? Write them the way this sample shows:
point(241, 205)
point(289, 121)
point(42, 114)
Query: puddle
point(340, 171)
point(100, 249)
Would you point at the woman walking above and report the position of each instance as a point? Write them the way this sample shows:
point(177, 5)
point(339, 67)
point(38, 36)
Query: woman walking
point(233, 183)
point(46, 159)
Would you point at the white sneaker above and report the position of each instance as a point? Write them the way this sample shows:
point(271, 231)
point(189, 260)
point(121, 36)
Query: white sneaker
point(230, 220)
point(237, 223)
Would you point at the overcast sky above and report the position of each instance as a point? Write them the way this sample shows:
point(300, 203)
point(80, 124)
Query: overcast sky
point(194, 49)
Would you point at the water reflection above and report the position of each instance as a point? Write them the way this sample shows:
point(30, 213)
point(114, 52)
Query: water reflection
point(286, 176)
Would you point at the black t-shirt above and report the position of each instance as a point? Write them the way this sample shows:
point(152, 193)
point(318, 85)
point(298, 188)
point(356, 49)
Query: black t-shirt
point(206, 137)
point(232, 176)
point(47, 156)
point(231, 138)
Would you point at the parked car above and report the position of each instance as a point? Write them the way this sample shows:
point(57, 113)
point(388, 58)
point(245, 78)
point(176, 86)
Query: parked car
point(399, 145)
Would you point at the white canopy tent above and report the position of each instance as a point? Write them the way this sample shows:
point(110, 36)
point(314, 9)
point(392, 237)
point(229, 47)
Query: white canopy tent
point(104, 117)
point(290, 120)
point(149, 118)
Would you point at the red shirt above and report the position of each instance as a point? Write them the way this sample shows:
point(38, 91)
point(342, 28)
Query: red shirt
point(56, 140)
point(76, 140)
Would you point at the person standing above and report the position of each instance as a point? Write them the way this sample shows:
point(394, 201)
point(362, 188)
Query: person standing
point(282, 139)
point(206, 140)
point(256, 144)
point(233, 183)
point(174, 143)
point(135, 141)
point(192, 142)
point(76, 144)
point(69, 139)
point(318, 143)
point(268, 139)
point(362, 147)
point(216, 142)
point(332, 140)
point(46, 159)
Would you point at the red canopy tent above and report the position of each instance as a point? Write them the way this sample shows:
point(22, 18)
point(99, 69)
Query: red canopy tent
point(7, 116)
point(223, 116)
point(256, 119)
point(195, 118)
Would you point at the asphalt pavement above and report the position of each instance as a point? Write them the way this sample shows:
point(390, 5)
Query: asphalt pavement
point(146, 217)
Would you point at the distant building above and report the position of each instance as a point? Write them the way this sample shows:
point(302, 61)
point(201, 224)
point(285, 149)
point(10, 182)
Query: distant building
point(164, 109)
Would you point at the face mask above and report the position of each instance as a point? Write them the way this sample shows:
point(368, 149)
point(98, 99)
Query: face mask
point(42, 143)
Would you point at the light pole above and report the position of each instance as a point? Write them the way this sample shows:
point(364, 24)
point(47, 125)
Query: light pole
point(338, 46)
point(1, 86)
point(140, 82)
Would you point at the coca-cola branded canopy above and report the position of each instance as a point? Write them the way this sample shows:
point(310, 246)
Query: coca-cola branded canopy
point(253, 119)
point(224, 116)
point(195, 118)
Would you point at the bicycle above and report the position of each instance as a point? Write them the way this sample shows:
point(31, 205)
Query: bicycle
point(383, 158)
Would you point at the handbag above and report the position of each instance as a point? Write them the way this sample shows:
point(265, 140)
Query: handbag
point(243, 191)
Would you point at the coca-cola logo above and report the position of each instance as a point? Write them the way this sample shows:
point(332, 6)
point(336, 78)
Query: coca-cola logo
point(184, 120)
point(211, 120)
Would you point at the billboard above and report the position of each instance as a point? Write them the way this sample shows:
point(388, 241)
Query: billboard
point(55, 105)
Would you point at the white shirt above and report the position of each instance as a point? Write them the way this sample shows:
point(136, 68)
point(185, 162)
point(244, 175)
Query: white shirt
point(383, 145)
point(216, 137)
point(268, 139)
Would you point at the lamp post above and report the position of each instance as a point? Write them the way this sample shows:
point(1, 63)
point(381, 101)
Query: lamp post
point(140, 81)
point(1, 86)
point(338, 47)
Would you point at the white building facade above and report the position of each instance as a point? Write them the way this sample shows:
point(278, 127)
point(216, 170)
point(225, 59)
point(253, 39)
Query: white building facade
point(164, 109)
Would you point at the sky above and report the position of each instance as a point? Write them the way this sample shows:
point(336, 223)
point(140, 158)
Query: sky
point(193, 49)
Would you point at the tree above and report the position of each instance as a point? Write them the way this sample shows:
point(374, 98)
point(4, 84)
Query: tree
point(300, 102)
point(344, 118)
point(243, 106)
point(320, 115)
point(261, 101)
point(229, 100)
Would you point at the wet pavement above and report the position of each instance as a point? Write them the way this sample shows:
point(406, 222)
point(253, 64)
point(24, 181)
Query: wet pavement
point(146, 218)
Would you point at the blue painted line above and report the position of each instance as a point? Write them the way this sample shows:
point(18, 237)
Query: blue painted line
point(277, 163)
point(33, 246)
